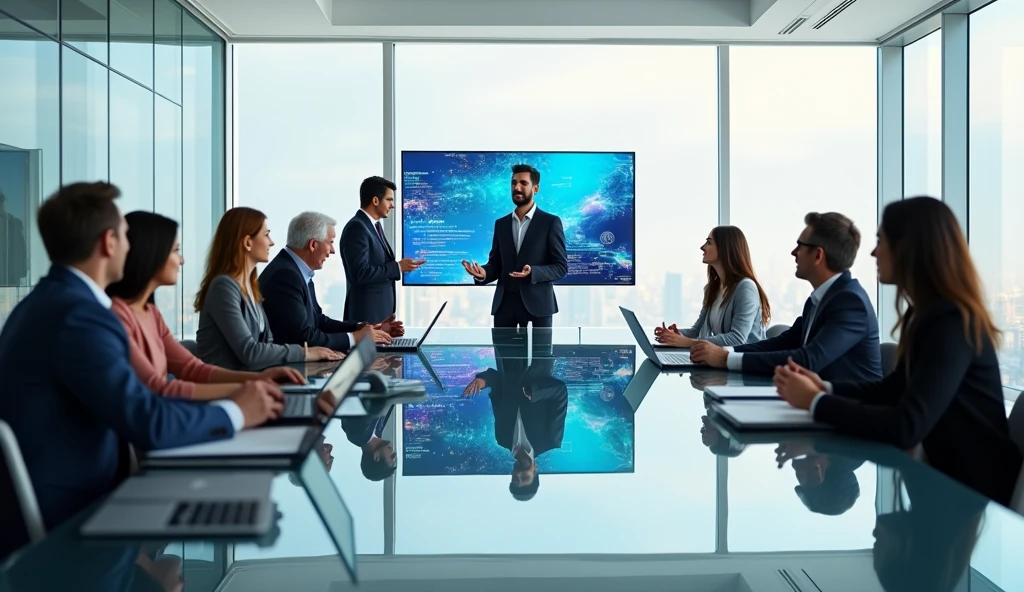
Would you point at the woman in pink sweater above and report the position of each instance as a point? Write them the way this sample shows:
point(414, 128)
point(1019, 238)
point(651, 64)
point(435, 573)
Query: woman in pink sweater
point(154, 260)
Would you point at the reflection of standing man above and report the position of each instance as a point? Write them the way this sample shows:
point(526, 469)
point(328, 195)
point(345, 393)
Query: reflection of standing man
point(529, 405)
point(527, 255)
point(13, 250)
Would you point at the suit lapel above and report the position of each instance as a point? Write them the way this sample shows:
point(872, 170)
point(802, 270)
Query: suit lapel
point(834, 289)
point(506, 244)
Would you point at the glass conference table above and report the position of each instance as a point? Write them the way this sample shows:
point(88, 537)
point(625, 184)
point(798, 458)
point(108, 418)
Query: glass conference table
point(637, 488)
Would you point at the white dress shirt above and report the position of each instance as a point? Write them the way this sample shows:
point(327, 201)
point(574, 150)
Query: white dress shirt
point(230, 407)
point(307, 276)
point(519, 439)
point(735, 360)
point(519, 226)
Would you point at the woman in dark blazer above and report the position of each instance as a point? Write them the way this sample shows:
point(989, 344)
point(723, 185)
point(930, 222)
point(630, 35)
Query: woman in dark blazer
point(945, 392)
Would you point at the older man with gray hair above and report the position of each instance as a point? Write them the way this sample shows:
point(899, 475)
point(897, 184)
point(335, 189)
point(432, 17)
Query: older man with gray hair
point(289, 298)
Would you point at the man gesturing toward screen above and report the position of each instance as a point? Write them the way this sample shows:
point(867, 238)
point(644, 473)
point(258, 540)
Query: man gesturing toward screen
point(527, 256)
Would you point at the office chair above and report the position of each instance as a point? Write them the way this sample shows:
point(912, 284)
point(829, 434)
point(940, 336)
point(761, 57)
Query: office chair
point(190, 345)
point(888, 357)
point(776, 330)
point(14, 464)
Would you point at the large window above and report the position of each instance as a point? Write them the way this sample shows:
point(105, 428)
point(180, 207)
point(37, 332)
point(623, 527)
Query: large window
point(660, 102)
point(803, 131)
point(309, 124)
point(997, 177)
point(922, 117)
point(65, 117)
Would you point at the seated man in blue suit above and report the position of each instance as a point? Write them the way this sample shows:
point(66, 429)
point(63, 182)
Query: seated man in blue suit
point(289, 298)
point(837, 334)
point(68, 389)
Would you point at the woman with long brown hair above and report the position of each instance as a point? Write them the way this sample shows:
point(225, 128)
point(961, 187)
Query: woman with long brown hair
point(233, 330)
point(735, 308)
point(945, 392)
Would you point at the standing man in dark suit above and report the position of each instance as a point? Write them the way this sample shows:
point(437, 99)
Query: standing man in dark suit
point(70, 393)
point(289, 298)
point(369, 260)
point(837, 334)
point(527, 256)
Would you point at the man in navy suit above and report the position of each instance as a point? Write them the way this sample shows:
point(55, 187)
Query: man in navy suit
point(68, 389)
point(837, 334)
point(369, 260)
point(289, 298)
point(527, 256)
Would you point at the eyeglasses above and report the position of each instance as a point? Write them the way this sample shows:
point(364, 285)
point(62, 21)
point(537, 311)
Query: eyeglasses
point(801, 243)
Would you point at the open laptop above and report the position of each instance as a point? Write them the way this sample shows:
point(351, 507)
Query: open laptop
point(666, 360)
point(278, 446)
point(186, 504)
point(774, 416)
point(410, 344)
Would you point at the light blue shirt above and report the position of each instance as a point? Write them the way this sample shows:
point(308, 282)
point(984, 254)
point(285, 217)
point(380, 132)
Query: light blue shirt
point(230, 407)
point(519, 226)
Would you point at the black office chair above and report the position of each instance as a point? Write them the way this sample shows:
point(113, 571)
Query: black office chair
point(888, 357)
point(190, 345)
point(1016, 421)
point(18, 487)
point(776, 330)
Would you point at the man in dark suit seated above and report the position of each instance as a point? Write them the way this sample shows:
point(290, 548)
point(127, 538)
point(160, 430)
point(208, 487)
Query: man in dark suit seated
point(837, 334)
point(529, 404)
point(527, 256)
point(68, 390)
point(370, 266)
point(289, 298)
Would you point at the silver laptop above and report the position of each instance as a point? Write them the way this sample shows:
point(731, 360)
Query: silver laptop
point(763, 415)
point(410, 344)
point(178, 505)
point(664, 359)
point(274, 446)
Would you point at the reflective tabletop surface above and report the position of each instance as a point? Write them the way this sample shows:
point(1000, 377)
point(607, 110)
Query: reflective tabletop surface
point(637, 488)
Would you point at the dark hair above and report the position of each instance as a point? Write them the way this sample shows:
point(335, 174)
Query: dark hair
point(226, 255)
point(838, 491)
point(525, 168)
point(375, 469)
point(734, 254)
point(525, 493)
point(372, 187)
point(932, 262)
point(74, 218)
point(151, 237)
point(835, 234)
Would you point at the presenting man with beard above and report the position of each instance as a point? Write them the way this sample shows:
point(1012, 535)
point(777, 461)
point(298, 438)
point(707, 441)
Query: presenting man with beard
point(527, 256)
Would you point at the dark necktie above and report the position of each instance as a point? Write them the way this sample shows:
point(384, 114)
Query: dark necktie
point(312, 297)
point(384, 241)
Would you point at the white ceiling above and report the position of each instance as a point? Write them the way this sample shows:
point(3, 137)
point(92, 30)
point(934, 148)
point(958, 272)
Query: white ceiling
point(863, 21)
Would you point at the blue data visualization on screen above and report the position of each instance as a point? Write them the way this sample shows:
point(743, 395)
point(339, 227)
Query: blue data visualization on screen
point(452, 433)
point(450, 200)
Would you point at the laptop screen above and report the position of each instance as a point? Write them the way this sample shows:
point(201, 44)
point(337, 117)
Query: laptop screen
point(332, 509)
point(638, 333)
point(431, 325)
point(340, 383)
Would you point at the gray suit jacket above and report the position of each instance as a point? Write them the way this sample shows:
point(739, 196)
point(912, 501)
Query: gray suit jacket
point(741, 319)
point(229, 333)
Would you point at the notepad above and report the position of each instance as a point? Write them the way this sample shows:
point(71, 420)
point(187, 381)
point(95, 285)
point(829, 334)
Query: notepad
point(767, 415)
point(728, 393)
point(274, 441)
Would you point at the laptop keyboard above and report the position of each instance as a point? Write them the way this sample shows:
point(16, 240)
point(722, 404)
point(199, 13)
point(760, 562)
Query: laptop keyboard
point(215, 514)
point(403, 342)
point(295, 405)
point(674, 359)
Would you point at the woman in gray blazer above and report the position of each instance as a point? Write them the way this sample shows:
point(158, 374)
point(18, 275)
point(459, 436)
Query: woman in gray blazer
point(735, 309)
point(233, 330)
